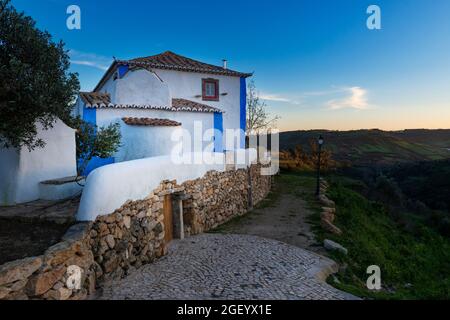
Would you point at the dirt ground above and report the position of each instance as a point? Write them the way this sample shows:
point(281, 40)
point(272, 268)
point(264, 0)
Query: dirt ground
point(21, 239)
point(29, 229)
point(284, 216)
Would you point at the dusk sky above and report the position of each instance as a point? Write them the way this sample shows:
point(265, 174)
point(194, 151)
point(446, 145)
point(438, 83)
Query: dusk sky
point(315, 63)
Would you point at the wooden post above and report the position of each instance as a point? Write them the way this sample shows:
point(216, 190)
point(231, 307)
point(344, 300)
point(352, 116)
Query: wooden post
point(177, 213)
point(250, 188)
point(168, 221)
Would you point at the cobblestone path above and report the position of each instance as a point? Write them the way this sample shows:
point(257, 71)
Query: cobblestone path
point(229, 266)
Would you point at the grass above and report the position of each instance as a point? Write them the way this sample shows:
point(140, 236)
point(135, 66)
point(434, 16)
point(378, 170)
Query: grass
point(413, 266)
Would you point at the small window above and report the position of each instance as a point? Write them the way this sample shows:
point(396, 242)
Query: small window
point(210, 89)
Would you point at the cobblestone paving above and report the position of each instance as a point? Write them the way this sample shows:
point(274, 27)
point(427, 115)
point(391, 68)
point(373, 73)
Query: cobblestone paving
point(217, 266)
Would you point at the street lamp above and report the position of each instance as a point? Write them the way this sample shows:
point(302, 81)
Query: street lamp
point(320, 142)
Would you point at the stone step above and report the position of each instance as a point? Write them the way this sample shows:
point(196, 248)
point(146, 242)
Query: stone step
point(62, 188)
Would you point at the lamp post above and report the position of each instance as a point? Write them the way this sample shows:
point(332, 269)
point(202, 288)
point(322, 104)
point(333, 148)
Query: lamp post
point(320, 142)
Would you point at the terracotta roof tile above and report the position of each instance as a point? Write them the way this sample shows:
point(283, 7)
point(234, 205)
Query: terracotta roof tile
point(151, 122)
point(95, 98)
point(173, 61)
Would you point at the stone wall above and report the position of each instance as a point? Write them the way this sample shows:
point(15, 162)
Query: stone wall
point(260, 184)
point(53, 275)
point(219, 196)
point(131, 236)
point(214, 199)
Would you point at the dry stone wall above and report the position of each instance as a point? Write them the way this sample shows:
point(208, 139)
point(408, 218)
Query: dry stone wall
point(66, 271)
point(214, 199)
point(129, 237)
point(132, 235)
point(260, 184)
point(219, 196)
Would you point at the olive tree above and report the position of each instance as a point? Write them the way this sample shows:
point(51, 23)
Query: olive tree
point(35, 84)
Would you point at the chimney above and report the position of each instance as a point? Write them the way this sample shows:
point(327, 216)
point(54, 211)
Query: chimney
point(224, 63)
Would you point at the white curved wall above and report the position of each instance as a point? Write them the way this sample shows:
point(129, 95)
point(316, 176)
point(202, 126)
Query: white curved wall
point(109, 187)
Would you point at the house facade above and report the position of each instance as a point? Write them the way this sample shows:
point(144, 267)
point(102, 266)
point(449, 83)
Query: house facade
point(153, 97)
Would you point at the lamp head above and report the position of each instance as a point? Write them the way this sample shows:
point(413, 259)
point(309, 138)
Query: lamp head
point(320, 140)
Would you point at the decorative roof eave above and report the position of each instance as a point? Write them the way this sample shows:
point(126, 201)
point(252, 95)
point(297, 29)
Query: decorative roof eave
point(184, 68)
point(151, 107)
point(152, 122)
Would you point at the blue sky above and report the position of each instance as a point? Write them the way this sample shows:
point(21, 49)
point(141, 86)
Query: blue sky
point(314, 61)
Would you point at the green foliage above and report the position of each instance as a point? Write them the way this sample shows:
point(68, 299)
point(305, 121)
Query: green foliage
point(35, 85)
point(95, 142)
point(409, 191)
point(413, 266)
point(425, 181)
point(387, 191)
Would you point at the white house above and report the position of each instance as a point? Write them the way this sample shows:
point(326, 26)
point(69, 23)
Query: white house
point(151, 97)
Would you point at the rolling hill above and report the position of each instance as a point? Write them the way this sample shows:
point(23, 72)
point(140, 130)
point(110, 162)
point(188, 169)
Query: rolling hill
point(368, 147)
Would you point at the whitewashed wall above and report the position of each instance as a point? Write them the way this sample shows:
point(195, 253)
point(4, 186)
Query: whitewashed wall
point(78, 108)
point(140, 87)
point(9, 175)
point(145, 141)
point(22, 170)
point(110, 186)
point(187, 120)
point(110, 87)
point(189, 84)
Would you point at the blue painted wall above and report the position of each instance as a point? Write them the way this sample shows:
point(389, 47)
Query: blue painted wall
point(122, 69)
point(95, 163)
point(218, 132)
point(90, 116)
point(243, 103)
